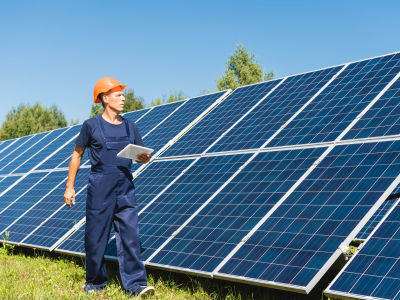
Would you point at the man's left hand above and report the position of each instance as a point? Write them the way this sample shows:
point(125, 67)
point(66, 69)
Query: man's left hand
point(144, 158)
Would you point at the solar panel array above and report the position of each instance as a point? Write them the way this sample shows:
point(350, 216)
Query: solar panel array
point(267, 187)
point(31, 206)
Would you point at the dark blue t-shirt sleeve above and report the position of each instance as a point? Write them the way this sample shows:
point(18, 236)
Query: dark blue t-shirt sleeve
point(84, 136)
point(138, 139)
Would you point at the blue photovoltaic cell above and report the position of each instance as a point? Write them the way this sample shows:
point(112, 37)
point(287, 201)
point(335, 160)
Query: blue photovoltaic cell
point(148, 184)
point(261, 123)
point(64, 152)
point(27, 161)
point(135, 115)
point(325, 118)
point(374, 220)
point(184, 197)
point(14, 150)
point(75, 243)
point(6, 183)
point(52, 230)
point(25, 202)
point(224, 222)
point(172, 126)
point(220, 119)
point(301, 235)
point(156, 116)
point(382, 119)
point(374, 272)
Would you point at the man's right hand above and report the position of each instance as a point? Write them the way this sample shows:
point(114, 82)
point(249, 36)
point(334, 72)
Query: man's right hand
point(68, 196)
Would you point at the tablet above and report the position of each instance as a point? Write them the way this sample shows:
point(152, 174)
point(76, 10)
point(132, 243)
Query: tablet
point(131, 151)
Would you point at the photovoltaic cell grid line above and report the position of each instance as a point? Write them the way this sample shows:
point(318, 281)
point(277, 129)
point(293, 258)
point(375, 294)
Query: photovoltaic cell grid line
point(328, 115)
point(304, 232)
point(5, 167)
point(227, 219)
point(155, 116)
point(28, 160)
point(172, 208)
point(220, 119)
point(63, 153)
point(374, 271)
point(382, 119)
point(33, 229)
point(274, 111)
point(177, 122)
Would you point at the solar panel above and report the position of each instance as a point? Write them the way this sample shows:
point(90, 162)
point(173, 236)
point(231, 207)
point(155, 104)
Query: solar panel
point(156, 115)
point(340, 103)
point(374, 271)
point(382, 119)
point(185, 116)
point(294, 246)
point(32, 192)
point(58, 151)
point(220, 119)
point(215, 231)
point(274, 111)
point(26, 161)
point(44, 224)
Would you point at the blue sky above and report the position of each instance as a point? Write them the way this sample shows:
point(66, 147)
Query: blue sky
point(53, 52)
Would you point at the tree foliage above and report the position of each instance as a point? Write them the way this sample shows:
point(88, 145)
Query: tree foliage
point(26, 120)
point(132, 103)
point(173, 96)
point(242, 69)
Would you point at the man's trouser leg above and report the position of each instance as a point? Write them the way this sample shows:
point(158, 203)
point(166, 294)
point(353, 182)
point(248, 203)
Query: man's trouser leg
point(100, 208)
point(132, 270)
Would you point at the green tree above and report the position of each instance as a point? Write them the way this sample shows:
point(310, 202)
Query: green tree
point(173, 96)
point(242, 69)
point(26, 120)
point(132, 103)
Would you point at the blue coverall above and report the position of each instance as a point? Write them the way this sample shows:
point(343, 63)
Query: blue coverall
point(111, 198)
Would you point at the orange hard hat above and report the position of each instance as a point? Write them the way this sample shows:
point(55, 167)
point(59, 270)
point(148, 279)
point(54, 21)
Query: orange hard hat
point(104, 85)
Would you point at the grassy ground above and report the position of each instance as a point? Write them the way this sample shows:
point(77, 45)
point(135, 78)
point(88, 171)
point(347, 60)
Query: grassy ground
point(32, 274)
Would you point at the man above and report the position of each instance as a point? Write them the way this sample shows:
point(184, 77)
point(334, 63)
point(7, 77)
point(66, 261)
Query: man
point(110, 191)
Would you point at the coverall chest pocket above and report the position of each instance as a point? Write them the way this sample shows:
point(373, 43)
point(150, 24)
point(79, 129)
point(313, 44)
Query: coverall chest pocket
point(115, 147)
point(96, 190)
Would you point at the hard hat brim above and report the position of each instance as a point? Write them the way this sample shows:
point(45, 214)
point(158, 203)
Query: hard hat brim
point(97, 100)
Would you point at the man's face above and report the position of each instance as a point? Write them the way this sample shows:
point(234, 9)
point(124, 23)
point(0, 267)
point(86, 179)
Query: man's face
point(115, 99)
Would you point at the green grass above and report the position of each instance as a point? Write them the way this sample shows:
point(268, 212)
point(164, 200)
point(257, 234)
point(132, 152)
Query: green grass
point(32, 274)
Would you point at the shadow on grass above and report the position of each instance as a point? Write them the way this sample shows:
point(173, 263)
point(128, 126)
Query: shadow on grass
point(215, 288)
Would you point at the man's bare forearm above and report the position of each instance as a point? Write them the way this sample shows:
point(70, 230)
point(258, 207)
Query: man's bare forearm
point(74, 165)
